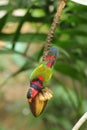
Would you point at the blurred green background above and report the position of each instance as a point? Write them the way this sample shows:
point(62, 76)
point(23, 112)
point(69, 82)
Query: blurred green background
point(24, 26)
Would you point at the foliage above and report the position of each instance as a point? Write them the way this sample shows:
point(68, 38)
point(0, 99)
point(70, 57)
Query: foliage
point(69, 102)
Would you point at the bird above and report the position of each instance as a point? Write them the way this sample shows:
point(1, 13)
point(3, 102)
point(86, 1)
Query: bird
point(42, 74)
point(38, 94)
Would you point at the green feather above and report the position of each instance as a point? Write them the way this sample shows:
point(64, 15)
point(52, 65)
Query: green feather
point(44, 71)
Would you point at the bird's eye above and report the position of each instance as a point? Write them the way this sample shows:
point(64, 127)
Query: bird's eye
point(29, 93)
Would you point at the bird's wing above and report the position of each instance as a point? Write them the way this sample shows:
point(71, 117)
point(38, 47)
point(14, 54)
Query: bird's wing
point(44, 71)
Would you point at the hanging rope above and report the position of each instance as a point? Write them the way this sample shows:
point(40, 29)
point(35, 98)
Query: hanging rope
point(60, 7)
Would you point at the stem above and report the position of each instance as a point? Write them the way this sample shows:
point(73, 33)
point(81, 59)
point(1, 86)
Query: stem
point(53, 27)
point(80, 122)
point(26, 49)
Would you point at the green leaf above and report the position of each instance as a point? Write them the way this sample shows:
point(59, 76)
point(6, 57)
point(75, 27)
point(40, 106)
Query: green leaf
point(17, 33)
point(74, 32)
point(3, 20)
point(68, 70)
point(29, 37)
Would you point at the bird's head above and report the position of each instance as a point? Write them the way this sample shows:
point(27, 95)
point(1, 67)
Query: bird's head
point(31, 93)
point(35, 88)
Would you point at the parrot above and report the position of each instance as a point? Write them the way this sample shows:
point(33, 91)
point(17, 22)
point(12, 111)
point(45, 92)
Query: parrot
point(42, 74)
point(38, 94)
